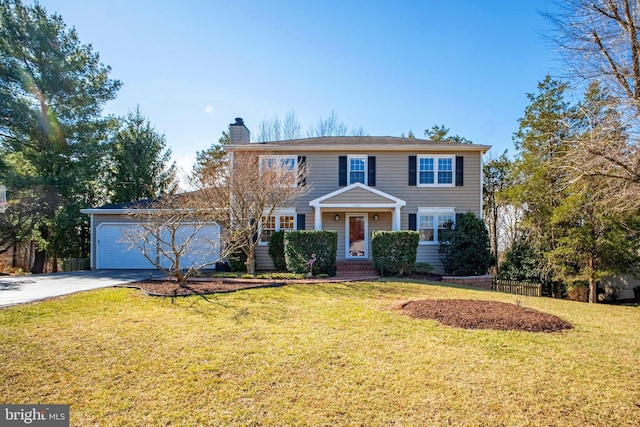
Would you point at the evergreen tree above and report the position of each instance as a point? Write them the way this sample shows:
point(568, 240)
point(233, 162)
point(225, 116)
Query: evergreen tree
point(140, 161)
point(465, 248)
point(441, 133)
point(538, 184)
point(52, 90)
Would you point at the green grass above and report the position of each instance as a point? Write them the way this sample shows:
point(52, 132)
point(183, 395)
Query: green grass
point(330, 354)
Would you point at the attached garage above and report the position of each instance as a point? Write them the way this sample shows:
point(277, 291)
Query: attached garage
point(112, 249)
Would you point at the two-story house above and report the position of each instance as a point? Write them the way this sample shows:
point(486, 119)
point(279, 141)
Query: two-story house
point(357, 185)
point(360, 184)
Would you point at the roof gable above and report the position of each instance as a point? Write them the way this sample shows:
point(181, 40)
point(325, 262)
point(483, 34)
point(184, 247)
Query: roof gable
point(352, 195)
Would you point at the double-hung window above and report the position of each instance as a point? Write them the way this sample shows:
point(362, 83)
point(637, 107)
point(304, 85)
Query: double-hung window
point(432, 221)
point(285, 167)
point(357, 169)
point(435, 170)
point(280, 220)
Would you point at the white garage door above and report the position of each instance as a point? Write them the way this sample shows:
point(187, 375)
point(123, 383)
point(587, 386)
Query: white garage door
point(113, 251)
point(201, 244)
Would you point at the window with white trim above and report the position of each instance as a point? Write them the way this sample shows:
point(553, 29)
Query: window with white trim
point(281, 220)
point(432, 221)
point(285, 165)
point(357, 169)
point(435, 170)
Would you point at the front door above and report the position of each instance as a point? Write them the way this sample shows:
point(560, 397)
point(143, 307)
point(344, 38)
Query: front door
point(356, 236)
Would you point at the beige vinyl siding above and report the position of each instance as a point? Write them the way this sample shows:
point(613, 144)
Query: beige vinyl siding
point(263, 260)
point(358, 196)
point(429, 254)
point(391, 178)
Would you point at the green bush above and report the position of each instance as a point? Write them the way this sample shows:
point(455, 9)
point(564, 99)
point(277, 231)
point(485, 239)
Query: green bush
point(276, 250)
point(299, 245)
point(237, 261)
point(465, 248)
point(394, 252)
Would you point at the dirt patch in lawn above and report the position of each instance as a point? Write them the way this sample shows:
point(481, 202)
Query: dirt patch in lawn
point(478, 314)
point(167, 288)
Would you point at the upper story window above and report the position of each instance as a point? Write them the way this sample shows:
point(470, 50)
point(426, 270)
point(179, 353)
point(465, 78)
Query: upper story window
point(435, 170)
point(432, 221)
point(357, 169)
point(285, 166)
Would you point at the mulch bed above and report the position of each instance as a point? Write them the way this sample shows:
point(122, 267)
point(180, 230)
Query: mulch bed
point(167, 288)
point(474, 314)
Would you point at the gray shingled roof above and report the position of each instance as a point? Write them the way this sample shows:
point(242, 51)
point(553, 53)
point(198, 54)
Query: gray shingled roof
point(383, 142)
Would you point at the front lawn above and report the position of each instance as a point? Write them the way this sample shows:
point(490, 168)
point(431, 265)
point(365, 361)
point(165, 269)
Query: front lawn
point(328, 354)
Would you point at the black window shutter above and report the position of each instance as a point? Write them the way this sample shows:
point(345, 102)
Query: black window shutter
point(302, 161)
point(300, 222)
point(459, 216)
point(412, 170)
point(342, 171)
point(459, 171)
point(255, 236)
point(413, 222)
point(371, 171)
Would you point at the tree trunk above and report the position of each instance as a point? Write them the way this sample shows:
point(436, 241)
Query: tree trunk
point(39, 259)
point(593, 295)
point(251, 263)
point(40, 256)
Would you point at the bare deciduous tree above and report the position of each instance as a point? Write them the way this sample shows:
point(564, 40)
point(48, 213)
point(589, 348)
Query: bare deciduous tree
point(174, 234)
point(275, 129)
point(240, 190)
point(331, 126)
point(600, 41)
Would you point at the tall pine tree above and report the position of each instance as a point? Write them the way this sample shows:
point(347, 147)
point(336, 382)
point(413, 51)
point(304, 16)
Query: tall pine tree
point(141, 163)
point(52, 91)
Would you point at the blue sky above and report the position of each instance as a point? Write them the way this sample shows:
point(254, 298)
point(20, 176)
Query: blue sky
point(390, 67)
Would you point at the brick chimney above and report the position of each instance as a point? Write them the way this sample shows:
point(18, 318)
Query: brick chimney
point(238, 132)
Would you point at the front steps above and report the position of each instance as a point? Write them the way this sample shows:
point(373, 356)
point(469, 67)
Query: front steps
point(352, 268)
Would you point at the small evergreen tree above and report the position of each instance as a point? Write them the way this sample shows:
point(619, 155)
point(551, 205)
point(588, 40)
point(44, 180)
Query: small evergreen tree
point(276, 250)
point(465, 248)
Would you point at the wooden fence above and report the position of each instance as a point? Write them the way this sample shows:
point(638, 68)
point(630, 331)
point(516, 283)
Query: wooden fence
point(75, 264)
point(519, 288)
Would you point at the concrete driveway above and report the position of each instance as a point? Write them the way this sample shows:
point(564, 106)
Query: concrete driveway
point(35, 287)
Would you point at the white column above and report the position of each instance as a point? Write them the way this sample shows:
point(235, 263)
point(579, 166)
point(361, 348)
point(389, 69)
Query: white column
point(396, 219)
point(318, 218)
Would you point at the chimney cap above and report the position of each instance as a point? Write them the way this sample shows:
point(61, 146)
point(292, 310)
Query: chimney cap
point(239, 121)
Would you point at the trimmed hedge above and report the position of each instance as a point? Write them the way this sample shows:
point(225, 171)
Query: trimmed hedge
point(394, 252)
point(299, 245)
point(276, 250)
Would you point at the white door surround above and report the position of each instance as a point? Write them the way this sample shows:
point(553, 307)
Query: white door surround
point(356, 236)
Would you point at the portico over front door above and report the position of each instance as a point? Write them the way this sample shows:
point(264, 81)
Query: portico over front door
point(356, 240)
